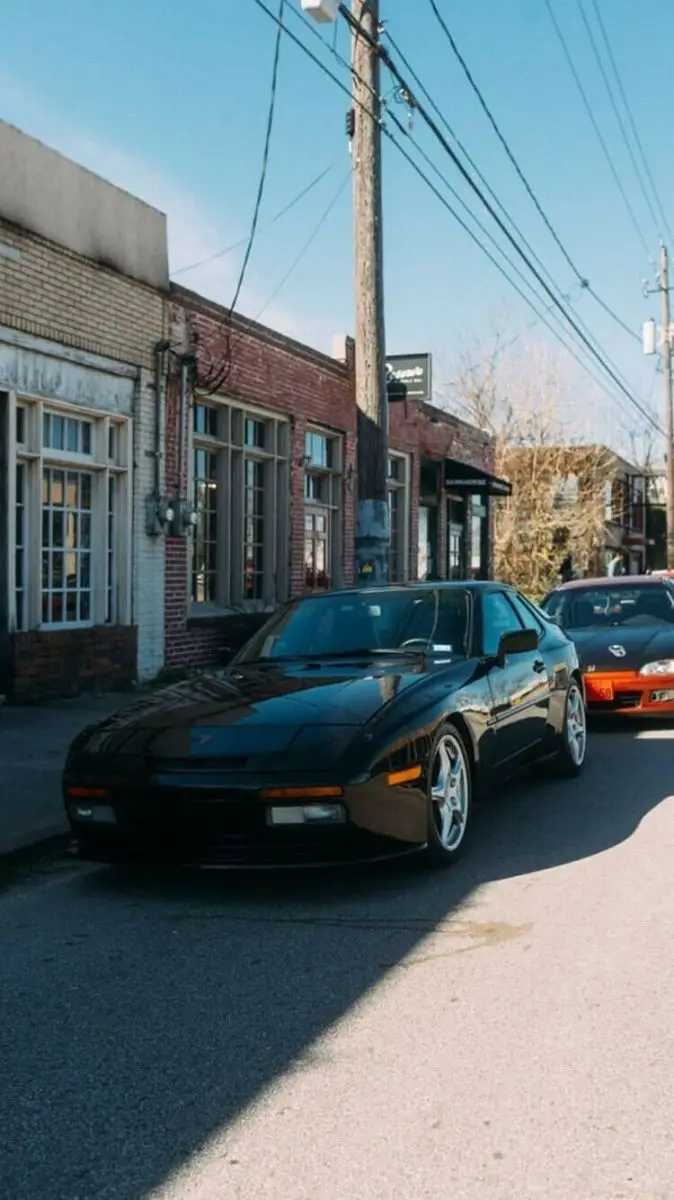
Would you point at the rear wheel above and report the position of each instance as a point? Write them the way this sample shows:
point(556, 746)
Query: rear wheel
point(449, 797)
point(570, 758)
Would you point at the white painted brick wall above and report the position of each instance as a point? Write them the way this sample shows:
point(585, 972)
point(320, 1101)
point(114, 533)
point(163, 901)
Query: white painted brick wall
point(148, 552)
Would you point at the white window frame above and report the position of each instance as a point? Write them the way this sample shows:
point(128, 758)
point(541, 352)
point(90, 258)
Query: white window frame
point(401, 486)
point(232, 453)
point(330, 505)
point(36, 457)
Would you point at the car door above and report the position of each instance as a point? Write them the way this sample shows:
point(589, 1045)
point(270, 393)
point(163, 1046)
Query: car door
point(520, 689)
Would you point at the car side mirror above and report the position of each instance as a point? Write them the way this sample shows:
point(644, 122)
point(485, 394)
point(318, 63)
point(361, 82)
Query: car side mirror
point(520, 641)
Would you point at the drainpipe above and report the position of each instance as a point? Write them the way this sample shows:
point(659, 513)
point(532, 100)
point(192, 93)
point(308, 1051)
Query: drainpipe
point(184, 369)
point(160, 351)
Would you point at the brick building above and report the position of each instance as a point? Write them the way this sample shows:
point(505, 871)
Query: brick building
point(441, 491)
point(268, 461)
point(169, 473)
point(268, 453)
point(83, 280)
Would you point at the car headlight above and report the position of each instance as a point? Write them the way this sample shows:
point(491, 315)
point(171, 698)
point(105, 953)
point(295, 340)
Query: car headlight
point(664, 666)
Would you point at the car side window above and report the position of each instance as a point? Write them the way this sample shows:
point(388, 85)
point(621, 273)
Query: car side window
point(498, 617)
point(526, 614)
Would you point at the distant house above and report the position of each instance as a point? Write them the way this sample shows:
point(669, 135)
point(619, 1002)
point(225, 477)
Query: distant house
point(582, 500)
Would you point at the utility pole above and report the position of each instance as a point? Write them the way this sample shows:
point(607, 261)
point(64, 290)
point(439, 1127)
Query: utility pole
point(372, 523)
point(669, 421)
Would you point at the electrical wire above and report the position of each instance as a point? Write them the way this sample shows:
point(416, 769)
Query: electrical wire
point(501, 137)
point(211, 385)
point(242, 241)
point(583, 281)
point(587, 341)
point(406, 133)
point(618, 117)
point(630, 117)
point(309, 241)
point(441, 117)
point(541, 316)
point(595, 126)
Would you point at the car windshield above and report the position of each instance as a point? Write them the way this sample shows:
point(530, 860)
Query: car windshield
point(591, 607)
point(342, 624)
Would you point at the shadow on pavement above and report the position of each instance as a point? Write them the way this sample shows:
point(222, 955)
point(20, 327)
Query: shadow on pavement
point(146, 1011)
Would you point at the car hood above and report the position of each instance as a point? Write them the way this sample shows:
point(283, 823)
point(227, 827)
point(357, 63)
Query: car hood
point(600, 649)
point(247, 710)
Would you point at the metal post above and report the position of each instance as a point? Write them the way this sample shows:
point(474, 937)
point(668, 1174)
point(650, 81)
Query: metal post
point(668, 422)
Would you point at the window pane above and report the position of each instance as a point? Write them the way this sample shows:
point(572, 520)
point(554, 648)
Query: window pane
point(72, 438)
point(205, 420)
point(86, 437)
point(66, 537)
point(71, 489)
point(57, 433)
point(20, 426)
point(20, 551)
point(57, 489)
point(254, 433)
point(204, 586)
point(318, 449)
point(254, 530)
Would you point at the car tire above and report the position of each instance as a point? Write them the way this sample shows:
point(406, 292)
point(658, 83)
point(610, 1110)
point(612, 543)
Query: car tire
point(570, 758)
point(450, 797)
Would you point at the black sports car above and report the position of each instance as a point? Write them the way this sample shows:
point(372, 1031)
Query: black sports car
point(357, 723)
point(623, 629)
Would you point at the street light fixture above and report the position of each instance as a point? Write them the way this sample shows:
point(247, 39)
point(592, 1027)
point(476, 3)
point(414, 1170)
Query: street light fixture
point(323, 11)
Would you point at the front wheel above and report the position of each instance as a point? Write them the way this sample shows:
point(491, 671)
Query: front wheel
point(570, 758)
point(449, 797)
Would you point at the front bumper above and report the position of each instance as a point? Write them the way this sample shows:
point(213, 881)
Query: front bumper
point(626, 693)
point(226, 826)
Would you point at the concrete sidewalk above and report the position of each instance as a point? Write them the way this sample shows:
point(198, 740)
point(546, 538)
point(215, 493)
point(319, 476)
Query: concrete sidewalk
point(33, 746)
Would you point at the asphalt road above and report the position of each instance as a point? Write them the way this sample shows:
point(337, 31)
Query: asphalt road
point(501, 1031)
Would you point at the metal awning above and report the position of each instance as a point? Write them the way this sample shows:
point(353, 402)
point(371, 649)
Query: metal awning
point(466, 478)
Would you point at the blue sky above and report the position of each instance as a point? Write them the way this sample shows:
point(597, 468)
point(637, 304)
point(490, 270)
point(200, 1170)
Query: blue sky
point(169, 101)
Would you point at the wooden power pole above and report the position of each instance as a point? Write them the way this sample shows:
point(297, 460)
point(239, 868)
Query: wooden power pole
point(372, 522)
point(668, 422)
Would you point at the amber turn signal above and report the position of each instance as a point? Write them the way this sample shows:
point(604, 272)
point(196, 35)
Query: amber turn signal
point(302, 793)
point(407, 776)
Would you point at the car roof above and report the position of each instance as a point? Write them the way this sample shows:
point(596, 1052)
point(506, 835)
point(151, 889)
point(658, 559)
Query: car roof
point(613, 581)
point(472, 585)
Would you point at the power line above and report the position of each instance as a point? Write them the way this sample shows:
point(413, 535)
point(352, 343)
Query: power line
point(630, 117)
point(407, 134)
point(595, 126)
point(265, 154)
point(616, 111)
point(600, 356)
point(326, 71)
point(501, 137)
point(584, 283)
point(213, 384)
point(312, 237)
point(242, 241)
point(441, 117)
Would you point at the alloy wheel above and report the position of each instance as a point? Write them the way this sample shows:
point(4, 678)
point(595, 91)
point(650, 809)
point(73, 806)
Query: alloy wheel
point(450, 792)
point(576, 725)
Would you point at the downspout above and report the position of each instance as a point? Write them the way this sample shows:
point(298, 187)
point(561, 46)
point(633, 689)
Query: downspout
point(184, 368)
point(160, 351)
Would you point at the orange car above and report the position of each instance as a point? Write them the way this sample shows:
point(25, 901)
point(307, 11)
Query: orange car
point(623, 629)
